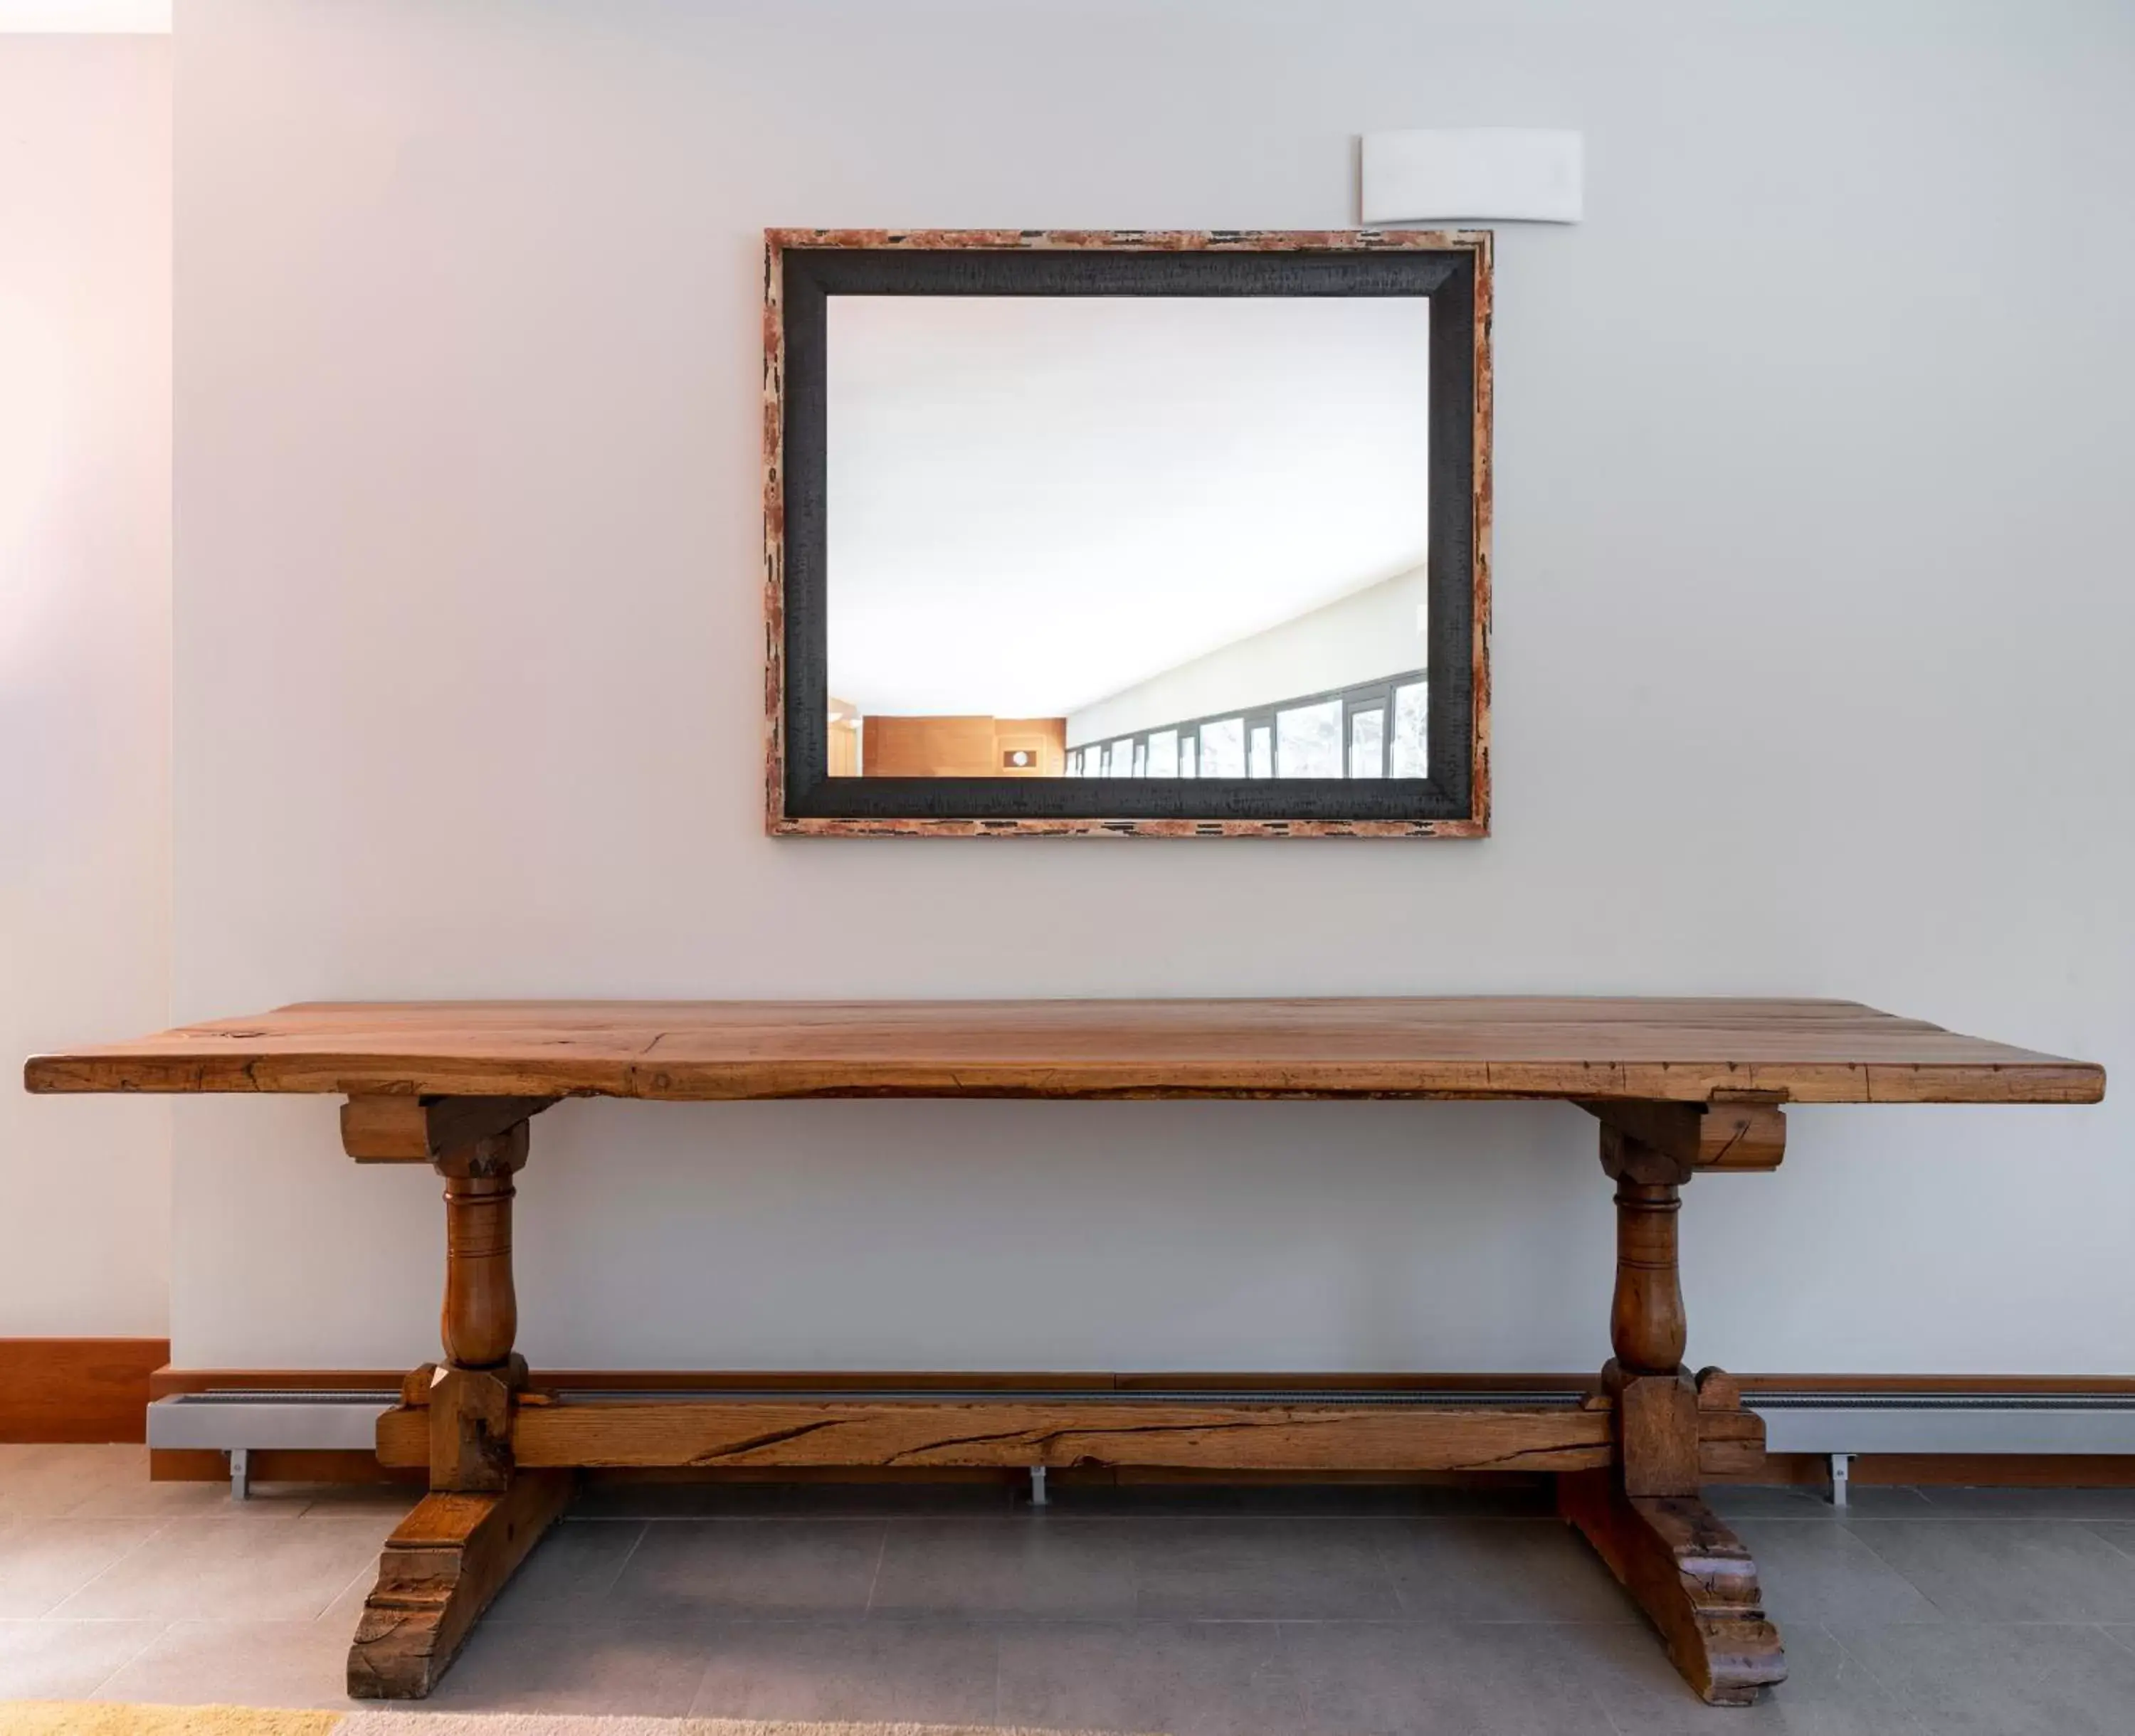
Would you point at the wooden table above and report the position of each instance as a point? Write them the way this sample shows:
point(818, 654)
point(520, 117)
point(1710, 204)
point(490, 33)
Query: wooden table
point(1679, 1086)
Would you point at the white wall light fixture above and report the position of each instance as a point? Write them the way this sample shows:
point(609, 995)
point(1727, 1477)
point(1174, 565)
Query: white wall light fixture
point(1464, 174)
point(85, 17)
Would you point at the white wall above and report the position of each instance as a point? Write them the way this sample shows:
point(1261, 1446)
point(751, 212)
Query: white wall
point(85, 666)
point(1811, 635)
point(1369, 634)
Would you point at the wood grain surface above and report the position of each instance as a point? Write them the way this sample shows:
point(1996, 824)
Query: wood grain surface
point(1655, 1049)
point(1691, 1575)
point(707, 1434)
point(77, 1389)
point(437, 1574)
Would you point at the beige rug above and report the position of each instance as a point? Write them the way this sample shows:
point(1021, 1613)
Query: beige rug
point(75, 1718)
point(79, 1718)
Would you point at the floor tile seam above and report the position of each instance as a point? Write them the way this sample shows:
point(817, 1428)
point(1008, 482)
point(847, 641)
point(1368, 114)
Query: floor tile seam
point(1288, 1673)
point(629, 1555)
point(1608, 1719)
point(1047, 1520)
point(1405, 1619)
point(1894, 1689)
point(367, 1572)
point(1855, 1521)
point(1293, 1672)
point(996, 1708)
point(906, 1618)
point(726, 1519)
point(1380, 1553)
point(697, 1708)
point(1924, 1594)
point(1860, 1663)
point(157, 1523)
point(1052, 1518)
point(157, 1630)
point(52, 1608)
point(294, 1623)
point(1308, 1714)
point(697, 1693)
point(338, 1519)
point(1381, 1546)
point(998, 1520)
point(1792, 1517)
point(1961, 1625)
point(2094, 1526)
point(72, 1510)
point(875, 1579)
point(2089, 1528)
point(1955, 1622)
point(60, 1605)
point(1866, 1542)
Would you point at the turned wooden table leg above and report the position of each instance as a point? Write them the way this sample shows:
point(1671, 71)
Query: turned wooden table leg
point(1691, 1574)
point(471, 1394)
point(453, 1553)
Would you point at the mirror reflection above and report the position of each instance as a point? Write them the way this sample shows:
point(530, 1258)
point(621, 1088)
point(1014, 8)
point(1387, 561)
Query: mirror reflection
point(1124, 537)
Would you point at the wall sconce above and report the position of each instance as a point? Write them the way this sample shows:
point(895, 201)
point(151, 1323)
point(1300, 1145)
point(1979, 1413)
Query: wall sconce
point(1462, 174)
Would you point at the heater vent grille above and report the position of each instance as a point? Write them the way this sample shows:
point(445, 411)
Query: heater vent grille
point(2000, 1401)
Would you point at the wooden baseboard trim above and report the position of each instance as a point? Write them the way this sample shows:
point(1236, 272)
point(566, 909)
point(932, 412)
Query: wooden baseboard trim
point(1958, 1470)
point(77, 1390)
point(2031, 1470)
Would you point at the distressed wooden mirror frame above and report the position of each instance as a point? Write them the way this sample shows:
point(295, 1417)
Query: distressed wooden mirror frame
point(804, 267)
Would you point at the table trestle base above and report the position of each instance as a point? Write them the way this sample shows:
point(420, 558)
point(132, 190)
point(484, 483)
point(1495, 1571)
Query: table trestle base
point(1629, 1457)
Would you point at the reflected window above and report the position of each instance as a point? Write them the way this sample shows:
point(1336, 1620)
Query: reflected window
point(1410, 757)
point(1367, 743)
point(1223, 748)
point(1373, 729)
point(1308, 740)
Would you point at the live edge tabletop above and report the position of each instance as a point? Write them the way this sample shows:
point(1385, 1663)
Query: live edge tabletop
point(1681, 1051)
point(1678, 1086)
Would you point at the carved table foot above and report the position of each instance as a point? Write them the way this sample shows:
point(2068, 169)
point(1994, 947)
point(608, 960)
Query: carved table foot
point(1691, 1575)
point(438, 1571)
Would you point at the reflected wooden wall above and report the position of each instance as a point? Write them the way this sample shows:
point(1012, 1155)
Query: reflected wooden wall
point(964, 746)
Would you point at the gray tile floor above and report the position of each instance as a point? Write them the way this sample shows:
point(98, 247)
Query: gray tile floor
point(1359, 1612)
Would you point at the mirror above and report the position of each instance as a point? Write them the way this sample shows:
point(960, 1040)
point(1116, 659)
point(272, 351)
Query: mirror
point(1111, 537)
point(1136, 533)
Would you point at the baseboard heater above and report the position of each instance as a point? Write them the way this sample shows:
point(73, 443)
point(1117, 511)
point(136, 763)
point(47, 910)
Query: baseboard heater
point(241, 1421)
point(1836, 1424)
point(1839, 1425)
